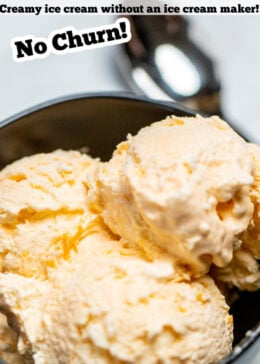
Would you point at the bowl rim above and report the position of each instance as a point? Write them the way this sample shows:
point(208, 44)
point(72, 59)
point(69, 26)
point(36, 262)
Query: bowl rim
point(167, 105)
point(250, 338)
point(253, 334)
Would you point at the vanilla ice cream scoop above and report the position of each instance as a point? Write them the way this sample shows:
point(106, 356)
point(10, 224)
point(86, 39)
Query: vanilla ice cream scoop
point(183, 184)
point(110, 305)
point(43, 211)
point(23, 300)
point(251, 237)
point(244, 269)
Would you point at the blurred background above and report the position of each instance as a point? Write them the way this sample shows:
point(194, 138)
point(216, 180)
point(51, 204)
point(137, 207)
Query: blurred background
point(229, 43)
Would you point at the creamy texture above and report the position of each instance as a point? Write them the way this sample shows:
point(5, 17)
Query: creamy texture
point(43, 211)
point(105, 263)
point(251, 237)
point(43, 217)
point(23, 300)
point(244, 270)
point(110, 305)
point(75, 293)
point(183, 184)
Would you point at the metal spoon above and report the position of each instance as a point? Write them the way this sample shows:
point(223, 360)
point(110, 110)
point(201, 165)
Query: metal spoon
point(162, 62)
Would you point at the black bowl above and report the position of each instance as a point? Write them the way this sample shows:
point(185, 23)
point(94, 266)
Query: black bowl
point(96, 121)
point(99, 122)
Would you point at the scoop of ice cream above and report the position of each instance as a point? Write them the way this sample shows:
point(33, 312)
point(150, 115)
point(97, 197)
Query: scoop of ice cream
point(22, 300)
point(244, 270)
point(43, 212)
point(8, 343)
point(110, 305)
point(251, 237)
point(183, 184)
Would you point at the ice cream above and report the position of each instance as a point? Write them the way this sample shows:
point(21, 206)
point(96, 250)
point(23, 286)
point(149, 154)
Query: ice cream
point(22, 300)
point(244, 270)
point(182, 184)
point(128, 310)
point(251, 237)
point(43, 211)
point(108, 304)
point(107, 262)
point(43, 217)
